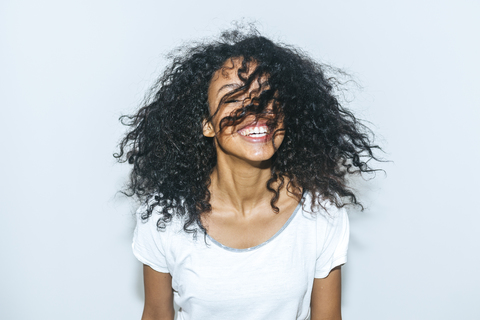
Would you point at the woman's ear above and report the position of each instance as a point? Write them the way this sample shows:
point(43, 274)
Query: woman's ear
point(208, 130)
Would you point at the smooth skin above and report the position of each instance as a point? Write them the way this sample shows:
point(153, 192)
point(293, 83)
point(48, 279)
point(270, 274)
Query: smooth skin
point(158, 295)
point(326, 297)
point(241, 215)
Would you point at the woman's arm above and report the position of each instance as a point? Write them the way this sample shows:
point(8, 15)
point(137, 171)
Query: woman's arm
point(158, 295)
point(326, 297)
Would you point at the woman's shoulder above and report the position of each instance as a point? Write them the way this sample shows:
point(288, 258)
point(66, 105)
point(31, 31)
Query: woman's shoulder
point(152, 213)
point(321, 207)
point(155, 234)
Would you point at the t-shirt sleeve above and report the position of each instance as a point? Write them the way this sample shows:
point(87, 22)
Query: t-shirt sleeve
point(149, 242)
point(333, 232)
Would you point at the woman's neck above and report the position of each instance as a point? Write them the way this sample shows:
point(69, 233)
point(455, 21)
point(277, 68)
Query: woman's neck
point(240, 185)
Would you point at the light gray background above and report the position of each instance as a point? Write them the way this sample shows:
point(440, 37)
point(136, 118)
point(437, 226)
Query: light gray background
point(69, 69)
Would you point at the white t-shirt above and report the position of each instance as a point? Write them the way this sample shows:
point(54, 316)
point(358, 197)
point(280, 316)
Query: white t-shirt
point(270, 281)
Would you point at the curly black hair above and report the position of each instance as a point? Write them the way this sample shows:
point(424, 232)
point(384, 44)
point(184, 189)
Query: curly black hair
point(172, 160)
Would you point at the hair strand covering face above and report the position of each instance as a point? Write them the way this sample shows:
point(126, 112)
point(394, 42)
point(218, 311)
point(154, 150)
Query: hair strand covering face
point(172, 161)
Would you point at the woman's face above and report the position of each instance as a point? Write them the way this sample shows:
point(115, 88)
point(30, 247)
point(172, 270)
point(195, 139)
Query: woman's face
point(249, 140)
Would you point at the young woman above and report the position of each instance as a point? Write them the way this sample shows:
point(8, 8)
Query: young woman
point(241, 158)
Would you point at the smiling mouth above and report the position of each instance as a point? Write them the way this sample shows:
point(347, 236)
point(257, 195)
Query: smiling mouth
point(254, 131)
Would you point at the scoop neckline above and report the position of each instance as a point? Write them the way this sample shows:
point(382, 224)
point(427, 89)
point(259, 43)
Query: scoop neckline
point(285, 225)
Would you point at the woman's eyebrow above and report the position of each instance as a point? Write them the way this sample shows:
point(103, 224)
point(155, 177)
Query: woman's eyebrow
point(229, 85)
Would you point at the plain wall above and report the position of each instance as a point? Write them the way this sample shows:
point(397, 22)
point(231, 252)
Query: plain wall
point(69, 69)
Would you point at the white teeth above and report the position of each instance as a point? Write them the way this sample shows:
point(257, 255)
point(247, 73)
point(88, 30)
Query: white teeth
point(255, 131)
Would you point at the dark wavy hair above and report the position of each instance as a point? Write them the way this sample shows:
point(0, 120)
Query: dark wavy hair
point(172, 160)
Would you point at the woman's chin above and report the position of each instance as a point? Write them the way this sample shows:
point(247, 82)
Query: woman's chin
point(259, 157)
